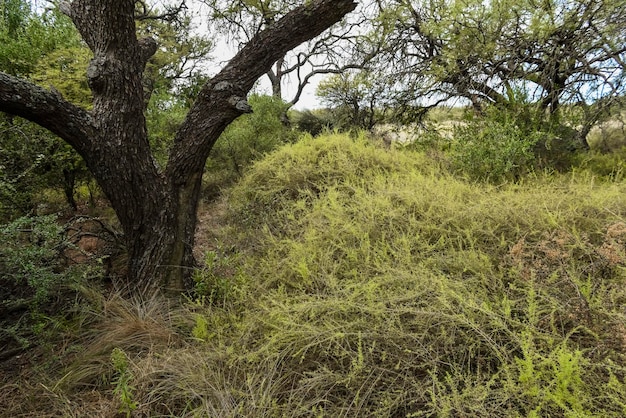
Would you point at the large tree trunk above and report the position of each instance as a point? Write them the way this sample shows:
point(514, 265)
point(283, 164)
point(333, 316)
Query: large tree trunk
point(156, 208)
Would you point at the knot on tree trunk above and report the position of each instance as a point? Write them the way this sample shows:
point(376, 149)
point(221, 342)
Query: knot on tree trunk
point(97, 72)
point(148, 47)
point(240, 104)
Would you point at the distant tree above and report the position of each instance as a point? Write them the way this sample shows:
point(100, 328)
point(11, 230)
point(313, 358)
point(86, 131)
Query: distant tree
point(155, 207)
point(554, 52)
point(358, 99)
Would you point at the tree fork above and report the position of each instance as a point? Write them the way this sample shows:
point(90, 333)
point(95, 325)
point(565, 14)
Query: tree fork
point(157, 209)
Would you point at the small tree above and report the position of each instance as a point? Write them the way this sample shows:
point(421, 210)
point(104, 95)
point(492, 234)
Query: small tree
point(357, 98)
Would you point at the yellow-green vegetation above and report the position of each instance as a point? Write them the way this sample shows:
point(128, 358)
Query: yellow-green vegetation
point(359, 281)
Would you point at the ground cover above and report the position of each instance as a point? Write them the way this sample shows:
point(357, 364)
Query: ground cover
point(345, 279)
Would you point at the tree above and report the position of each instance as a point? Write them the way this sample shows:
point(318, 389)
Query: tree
point(358, 99)
point(333, 52)
point(155, 207)
point(46, 49)
point(552, 52)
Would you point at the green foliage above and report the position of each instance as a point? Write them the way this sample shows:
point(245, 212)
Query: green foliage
point(47, 49)
point(247, 139)
point(163, 118)
point(328, 160)
point(31, 161)
point(609, 135)
point(122, 381)
point(30, 256)
point(181, 49)
point(36, 288)
point(25, 37)
point(221, 277)
point(356, 100)
point(610, 166)
point(65, 69)
point(493, 151)
point(553, 63)
point(313, 122)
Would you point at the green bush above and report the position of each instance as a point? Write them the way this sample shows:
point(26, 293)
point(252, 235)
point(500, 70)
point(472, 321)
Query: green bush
point(493, 151)
point(220, 278)
point(30, 255)
point(34, 282)
point(313, 122)
point(611, 166)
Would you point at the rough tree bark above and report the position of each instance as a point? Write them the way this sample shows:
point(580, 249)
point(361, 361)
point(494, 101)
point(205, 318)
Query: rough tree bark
point(156, 208)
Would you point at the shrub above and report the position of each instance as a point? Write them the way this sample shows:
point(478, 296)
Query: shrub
point(313, 122)
point(493, 151)
point(609, 166)
point(30, 256)
point(36, 286)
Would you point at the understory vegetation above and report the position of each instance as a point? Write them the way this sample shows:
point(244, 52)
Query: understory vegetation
point(346, 279)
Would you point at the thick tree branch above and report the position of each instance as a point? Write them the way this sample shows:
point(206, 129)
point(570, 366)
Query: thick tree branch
point(222, 99)
point(298, 26)
point(48, 109)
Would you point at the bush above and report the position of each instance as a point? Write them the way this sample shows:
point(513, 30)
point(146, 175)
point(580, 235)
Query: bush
point(493, 151)
point(30, 255)
point(34, 283)
point(610, 166)
point(313, 122)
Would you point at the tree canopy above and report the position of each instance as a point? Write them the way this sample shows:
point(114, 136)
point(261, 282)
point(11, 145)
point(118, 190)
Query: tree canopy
point(556, 51)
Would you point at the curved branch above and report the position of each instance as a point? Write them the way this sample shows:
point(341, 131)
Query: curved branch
point(222, 99)
point(47, 109)
point(300, 25)
point(304, 81)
